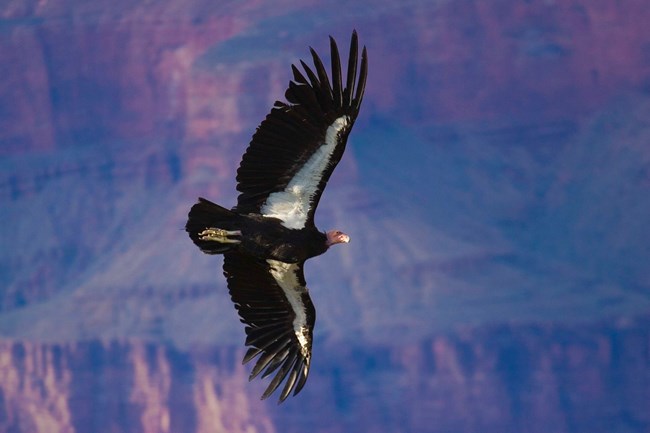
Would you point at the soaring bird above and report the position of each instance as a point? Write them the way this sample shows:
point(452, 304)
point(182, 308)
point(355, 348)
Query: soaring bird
point(267, 237)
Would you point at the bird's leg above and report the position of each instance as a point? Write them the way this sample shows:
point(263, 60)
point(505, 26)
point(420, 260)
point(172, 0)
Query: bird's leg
point(220, 235)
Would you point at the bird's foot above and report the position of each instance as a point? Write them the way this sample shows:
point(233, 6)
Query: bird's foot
point(220, 235)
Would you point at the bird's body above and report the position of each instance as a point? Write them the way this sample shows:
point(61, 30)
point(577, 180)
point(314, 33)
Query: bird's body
point(259, 236)
point(269, 235)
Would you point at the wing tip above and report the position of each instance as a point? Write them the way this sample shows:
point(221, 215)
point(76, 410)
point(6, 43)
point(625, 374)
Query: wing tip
point(293, 371)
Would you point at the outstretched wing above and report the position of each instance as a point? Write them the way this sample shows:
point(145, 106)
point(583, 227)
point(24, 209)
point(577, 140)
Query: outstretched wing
point(273, 301)
point(298, 145)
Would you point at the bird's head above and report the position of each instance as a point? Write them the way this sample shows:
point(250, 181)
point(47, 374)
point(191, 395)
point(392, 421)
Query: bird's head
point(336, 237)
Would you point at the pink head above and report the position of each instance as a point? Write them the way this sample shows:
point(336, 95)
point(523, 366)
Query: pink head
point(336, 237)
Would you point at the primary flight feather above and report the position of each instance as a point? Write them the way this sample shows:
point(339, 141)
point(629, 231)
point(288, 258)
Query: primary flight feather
point(269, 235)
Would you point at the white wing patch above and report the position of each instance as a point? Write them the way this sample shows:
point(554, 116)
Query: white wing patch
point(292, 204)
point(285, 275)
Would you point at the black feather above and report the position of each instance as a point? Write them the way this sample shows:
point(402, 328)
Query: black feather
point(362, 79)
point(352, 69)
point(337, 90)
point(280, 375)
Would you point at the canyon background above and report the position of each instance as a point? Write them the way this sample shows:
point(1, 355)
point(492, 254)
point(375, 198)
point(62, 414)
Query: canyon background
point(496, 188)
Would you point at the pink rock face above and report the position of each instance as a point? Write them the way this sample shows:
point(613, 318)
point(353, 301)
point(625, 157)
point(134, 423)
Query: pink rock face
point(73, 74)
point(125, 387)
point(76, 74)
point(495, 379)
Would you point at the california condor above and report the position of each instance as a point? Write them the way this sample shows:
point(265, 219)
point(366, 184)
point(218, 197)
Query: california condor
point(269, 235)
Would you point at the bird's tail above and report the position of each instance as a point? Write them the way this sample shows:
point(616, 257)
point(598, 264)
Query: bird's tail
point(213, 228)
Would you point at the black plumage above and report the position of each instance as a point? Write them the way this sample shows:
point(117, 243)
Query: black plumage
point(270, 233)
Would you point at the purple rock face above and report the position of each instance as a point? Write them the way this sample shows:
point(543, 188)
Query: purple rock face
point(497, 379)
point(496, 190)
